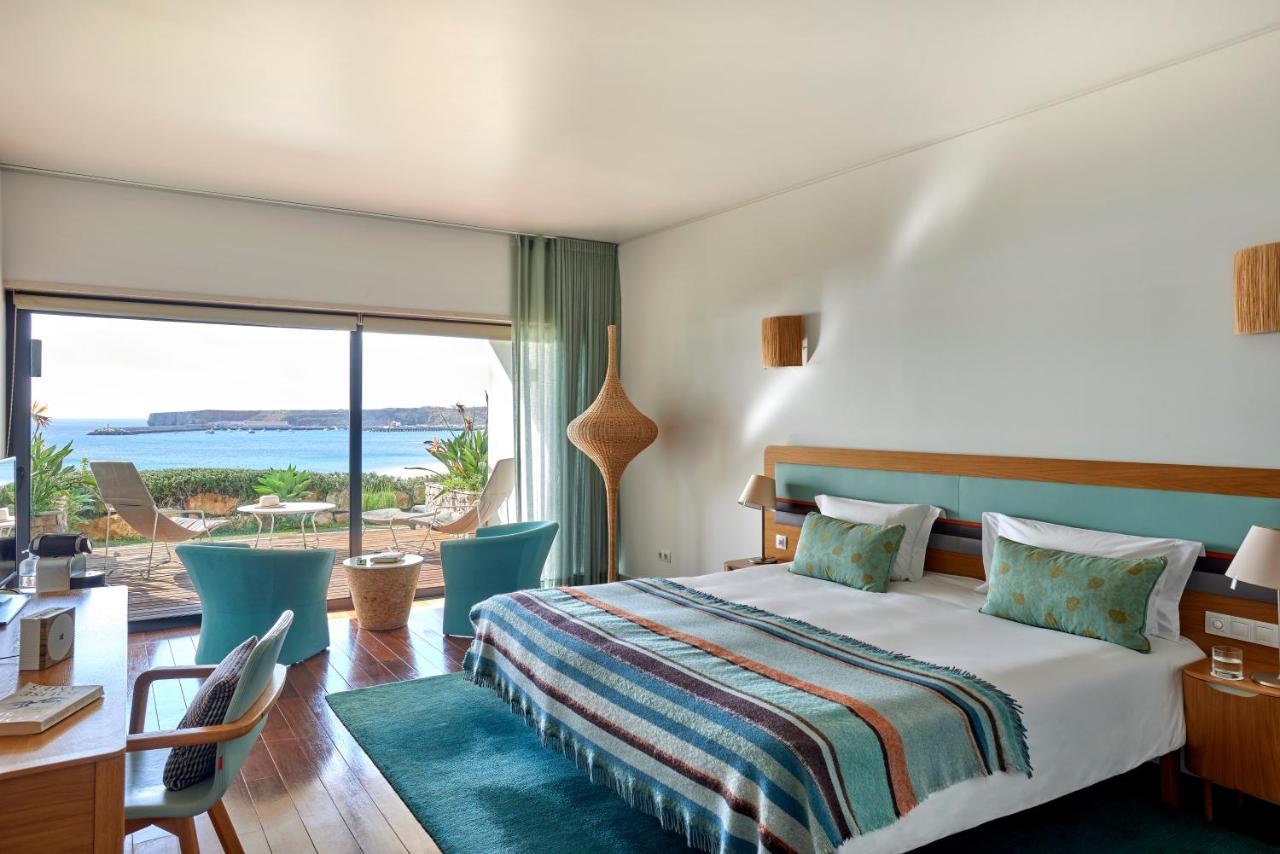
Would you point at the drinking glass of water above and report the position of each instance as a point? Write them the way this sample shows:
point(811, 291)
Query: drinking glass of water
point(1228, 662)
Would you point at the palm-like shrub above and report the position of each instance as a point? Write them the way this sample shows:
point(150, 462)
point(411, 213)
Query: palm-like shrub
point(54, 481)
point(289, 484)
point(465, 455)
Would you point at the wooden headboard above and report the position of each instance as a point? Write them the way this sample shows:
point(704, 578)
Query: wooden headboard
point(1214, 505)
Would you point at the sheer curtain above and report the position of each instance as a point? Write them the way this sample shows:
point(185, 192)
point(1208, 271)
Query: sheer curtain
point(565, 296)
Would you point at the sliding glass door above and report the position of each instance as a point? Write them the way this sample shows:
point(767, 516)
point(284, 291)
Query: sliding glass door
point(437, 418)
point(203, 419)
point(244, 432)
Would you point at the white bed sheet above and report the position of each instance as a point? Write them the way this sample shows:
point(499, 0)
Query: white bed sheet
point(1092, 709)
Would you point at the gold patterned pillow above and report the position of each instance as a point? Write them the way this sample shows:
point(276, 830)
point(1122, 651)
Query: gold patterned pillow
point(847, 553)
point(1097, 597)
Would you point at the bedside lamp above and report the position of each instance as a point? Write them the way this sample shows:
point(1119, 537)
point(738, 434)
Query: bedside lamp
point(1258, 562)
point(759, 494)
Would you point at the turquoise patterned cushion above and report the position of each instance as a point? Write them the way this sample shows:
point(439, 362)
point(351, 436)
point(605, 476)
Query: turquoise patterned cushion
point(847, 553)
point(1097, 597)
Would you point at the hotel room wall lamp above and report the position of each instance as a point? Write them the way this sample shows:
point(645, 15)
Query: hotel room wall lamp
point(1258, 289)
point(782, 339)
point(1258, 562)
point(760, 494)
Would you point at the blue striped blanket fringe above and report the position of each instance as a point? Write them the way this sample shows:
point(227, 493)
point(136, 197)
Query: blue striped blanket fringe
point(740, 729)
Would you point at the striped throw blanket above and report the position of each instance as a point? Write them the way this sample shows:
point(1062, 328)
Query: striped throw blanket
point(739, 728)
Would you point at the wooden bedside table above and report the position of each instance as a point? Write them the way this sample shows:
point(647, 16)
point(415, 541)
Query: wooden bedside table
point(743, 563)
point(1233, 734)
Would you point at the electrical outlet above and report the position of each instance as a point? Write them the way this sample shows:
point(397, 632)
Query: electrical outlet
point(780, 541)
point(664, 555)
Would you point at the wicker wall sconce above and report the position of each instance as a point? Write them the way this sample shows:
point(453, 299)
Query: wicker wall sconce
point(1258, 289)
point(783, 340)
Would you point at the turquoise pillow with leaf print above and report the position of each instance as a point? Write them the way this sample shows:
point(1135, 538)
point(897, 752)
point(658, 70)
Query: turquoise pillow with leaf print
point(847, 553)
point(1096, 597)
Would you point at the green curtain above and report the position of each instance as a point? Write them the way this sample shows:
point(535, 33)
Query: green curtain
point(566, 293)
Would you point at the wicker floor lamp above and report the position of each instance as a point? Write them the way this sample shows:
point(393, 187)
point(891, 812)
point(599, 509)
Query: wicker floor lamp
point(612, 432)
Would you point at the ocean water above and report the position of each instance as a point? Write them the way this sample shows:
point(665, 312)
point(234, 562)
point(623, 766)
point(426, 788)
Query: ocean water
point(309, 450)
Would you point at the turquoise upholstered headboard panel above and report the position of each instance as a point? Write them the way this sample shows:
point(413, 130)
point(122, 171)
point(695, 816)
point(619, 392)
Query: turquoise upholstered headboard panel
point(1219, 521)
point(1215, 505)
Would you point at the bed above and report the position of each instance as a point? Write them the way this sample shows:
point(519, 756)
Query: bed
point(1042, 713)
point(1091, 709)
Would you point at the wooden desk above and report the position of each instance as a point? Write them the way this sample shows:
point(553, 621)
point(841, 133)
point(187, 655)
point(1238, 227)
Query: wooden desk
point(63, 790)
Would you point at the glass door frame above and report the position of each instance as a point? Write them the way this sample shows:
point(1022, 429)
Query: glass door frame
point(18, 421)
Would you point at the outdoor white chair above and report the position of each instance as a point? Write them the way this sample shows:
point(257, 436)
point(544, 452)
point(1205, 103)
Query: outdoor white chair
point(125, 495)
point(461, 521)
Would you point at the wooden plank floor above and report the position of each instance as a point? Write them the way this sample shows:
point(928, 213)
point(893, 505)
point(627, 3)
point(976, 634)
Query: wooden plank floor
point(168, 591)
point(307, 786)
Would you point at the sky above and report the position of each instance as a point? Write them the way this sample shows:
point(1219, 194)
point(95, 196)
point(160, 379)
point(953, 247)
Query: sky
point(114, 368)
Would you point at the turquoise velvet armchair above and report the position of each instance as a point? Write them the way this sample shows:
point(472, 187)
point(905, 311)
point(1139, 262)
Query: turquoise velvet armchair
point(499, 559)
point(243, 591)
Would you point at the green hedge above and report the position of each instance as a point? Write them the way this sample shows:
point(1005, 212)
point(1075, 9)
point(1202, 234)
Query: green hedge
point(172, 487)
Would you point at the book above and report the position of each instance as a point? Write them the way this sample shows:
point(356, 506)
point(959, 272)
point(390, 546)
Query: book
point(34, 708)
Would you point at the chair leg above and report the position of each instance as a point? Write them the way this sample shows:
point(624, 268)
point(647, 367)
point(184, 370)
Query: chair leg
point(155, 527)
point(185, 830)
point(225, 830)
point(133, 825)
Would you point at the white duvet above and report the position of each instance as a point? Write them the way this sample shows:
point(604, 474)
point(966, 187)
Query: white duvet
point(1092, 709)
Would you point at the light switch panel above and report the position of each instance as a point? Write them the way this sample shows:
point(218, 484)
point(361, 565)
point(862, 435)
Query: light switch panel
point(1238, 628)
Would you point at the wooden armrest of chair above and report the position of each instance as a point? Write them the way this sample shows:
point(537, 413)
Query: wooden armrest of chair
point(138, 740)
point(142, 687)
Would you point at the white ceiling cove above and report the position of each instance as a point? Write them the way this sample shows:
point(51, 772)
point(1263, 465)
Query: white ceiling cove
point(597, 118)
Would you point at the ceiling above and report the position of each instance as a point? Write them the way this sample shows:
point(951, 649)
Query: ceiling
point(599, 118)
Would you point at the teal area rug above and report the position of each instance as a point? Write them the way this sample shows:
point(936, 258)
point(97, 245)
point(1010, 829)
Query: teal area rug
point(479, 780)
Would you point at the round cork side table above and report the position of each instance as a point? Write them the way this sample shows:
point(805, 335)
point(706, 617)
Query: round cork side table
point(383, 592)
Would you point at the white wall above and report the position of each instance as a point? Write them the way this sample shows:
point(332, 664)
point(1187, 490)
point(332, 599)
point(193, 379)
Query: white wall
point(1057, 285)
point(87, 233)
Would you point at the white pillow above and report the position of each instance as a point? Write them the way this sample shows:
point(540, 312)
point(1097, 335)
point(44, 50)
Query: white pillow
point(918, 519)
point(1162, 607)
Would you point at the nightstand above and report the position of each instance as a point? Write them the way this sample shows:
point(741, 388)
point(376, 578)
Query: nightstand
point(744, 563)
point(1233, 734)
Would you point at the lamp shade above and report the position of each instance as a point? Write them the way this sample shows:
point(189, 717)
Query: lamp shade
point(1258, 560)
point(1258, 289)
point(759, 493)
point(782, 340)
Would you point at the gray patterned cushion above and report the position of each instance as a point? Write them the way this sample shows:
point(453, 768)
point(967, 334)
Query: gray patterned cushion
point(188, 765)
